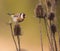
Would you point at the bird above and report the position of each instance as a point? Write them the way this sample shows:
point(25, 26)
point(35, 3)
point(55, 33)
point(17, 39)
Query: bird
point(17, 17)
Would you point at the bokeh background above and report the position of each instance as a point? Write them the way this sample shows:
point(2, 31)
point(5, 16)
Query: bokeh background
point(30, 39)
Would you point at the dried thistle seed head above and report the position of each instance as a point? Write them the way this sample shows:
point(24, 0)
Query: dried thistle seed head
point(39, 11)
point(53, 28)
point(48, 4)
point(17, 29)
point(51, 16)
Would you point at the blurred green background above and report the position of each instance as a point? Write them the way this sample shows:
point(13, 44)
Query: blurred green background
point(30, 39)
